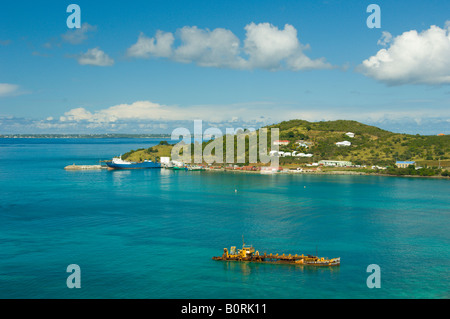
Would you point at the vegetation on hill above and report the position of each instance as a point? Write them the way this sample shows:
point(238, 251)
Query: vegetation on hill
point(413, 171)
point(370, 145)
point(153, 153)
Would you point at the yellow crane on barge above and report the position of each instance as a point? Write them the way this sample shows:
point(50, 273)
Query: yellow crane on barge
point(248, 254)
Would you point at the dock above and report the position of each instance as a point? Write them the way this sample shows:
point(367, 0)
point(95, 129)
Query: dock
point(74, 167)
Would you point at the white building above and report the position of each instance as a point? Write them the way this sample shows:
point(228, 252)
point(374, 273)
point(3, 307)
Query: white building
point(303, 155)
point(404, 164)
point(302, 143)
point(335, 163)
point(350, 134)
point(344, 143)
point(165, 160)
point(313, 164)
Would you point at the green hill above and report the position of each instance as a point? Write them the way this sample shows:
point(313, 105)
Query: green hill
point(370, 145)
point(152, 153)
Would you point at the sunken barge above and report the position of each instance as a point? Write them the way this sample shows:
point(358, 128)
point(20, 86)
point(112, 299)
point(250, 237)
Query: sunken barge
point(248, 254)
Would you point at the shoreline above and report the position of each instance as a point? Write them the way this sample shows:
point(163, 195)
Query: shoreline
point(284, 171)
point(289, 172)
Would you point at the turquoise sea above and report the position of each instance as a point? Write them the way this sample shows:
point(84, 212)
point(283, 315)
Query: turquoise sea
point(152, 233)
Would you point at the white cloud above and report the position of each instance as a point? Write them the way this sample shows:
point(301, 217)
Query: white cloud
point(268, 47)
point(96, 57)
point(140, 110)
point(146, 116)
point(386, 37)
point(252, 113)
point(159, 46)
point(78, 114)
point(148, 111)
point(7, 89)
point(216, 48)
point(265, 46)
point(77, 36)
point(412, 57)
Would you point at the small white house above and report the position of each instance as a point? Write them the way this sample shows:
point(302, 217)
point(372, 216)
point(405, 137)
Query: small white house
point(350, 134)
point(313, 164)
point(303, 155)
point(302, 143)
point(344, 143)
point(335, 163)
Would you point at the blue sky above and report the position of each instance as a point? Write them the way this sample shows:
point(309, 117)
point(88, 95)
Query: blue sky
point(151, 66)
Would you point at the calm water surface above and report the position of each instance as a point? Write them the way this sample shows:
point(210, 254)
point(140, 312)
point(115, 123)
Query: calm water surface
point(152, 233)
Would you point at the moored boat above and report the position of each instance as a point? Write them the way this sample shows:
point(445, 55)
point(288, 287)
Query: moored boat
point(119, 163)
point(196, 168)
point(179, 168)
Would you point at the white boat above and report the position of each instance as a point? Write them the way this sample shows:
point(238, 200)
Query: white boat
point(119, 163)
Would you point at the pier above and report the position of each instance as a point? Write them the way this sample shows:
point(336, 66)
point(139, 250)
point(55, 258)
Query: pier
point(74, 167)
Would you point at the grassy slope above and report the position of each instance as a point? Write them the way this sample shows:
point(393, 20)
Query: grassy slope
point(152, 153)
point(371, 145)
